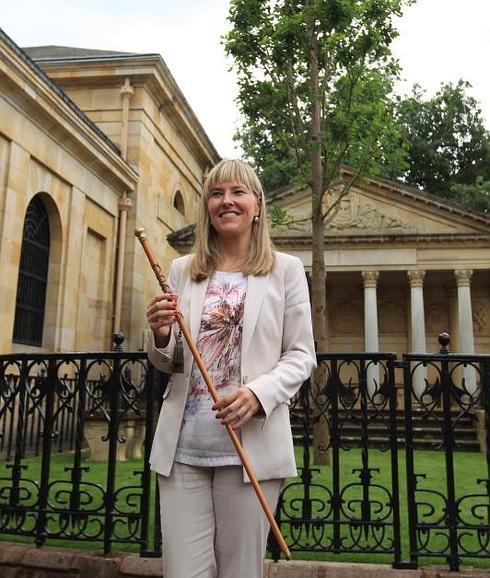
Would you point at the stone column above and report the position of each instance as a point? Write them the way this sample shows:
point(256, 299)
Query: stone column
point(465, 323)
point(417, 323)
point(452, 299)
point(371, 341)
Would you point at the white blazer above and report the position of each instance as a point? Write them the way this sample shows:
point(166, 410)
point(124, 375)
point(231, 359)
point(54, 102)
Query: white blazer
point(277, 355)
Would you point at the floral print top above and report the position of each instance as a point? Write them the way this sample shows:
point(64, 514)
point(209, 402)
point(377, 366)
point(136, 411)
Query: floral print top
point(203, 440)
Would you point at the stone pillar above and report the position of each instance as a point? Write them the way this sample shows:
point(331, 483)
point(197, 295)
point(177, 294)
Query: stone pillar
point(452, 299)
point(371, 340)
point(465, 323)
point(15, 201)
point(417, 323)
point(70, 299)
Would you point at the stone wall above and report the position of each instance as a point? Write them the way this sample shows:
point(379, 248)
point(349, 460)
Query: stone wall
point(23, 561)
point(80, 188)
point(48, 147)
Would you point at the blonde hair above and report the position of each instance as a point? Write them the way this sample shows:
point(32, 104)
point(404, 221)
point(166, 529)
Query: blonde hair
point(260, 258)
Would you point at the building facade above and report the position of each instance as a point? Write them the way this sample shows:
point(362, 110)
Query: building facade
point(402, 267)
point(92, 144)
point(95, 143)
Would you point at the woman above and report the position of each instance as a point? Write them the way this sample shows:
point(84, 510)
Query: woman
point(248, 310)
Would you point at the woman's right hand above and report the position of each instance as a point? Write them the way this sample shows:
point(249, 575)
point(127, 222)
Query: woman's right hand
point(161, 314)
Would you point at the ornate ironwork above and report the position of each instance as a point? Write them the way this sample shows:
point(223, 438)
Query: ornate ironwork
point(38, 393)
point(453, 523)
point(353, 511)
point(47, 403)
point(356, 508)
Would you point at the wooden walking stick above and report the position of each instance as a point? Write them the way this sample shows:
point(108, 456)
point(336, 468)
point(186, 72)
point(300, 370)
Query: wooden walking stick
point(140, 233)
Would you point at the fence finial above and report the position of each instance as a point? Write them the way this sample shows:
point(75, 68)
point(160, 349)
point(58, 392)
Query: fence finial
point(444, 339)
point(118, 340)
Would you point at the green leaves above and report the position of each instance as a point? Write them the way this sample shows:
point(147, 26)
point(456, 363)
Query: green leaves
point(292, 57)
point(449, 147)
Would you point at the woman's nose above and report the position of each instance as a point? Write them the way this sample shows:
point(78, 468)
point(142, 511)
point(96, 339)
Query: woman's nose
point(227, 197)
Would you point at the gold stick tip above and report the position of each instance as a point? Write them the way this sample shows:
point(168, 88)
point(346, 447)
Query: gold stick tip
point(140, 233)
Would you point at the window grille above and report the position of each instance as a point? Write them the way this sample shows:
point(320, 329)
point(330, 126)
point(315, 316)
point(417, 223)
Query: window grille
point(33, 276)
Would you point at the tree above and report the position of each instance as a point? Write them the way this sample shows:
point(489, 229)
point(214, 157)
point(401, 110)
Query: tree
point(315, 83)
point(476, 196)
point(449, 147)
point(315, 91)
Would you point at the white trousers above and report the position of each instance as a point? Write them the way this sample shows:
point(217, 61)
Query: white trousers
point(213, 525)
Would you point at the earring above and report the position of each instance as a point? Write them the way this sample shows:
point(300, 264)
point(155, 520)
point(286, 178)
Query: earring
point(256, 219)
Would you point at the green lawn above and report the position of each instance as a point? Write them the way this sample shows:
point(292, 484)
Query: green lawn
point(127, 487)
point(469, 467)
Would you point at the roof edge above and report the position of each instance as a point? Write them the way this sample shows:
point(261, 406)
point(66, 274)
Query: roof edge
point(167, 81)
point(57, 90)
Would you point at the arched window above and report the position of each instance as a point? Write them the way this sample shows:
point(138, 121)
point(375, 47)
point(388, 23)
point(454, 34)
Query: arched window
point(179, 203)
point(33, 276)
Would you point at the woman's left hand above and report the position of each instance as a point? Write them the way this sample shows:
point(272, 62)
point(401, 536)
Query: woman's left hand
point(237, 408)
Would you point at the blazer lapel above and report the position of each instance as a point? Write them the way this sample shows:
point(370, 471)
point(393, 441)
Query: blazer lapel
point(256, 290)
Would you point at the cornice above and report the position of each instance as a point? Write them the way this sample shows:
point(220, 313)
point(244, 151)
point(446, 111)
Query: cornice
point(6, 40)
point(368, 240)
point(184, 238)
point(413, 197)
point(143, 70)
point(29, 90)
point(377, 187)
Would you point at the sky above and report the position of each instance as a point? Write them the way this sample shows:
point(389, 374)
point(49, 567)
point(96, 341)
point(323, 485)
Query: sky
point(440, 41)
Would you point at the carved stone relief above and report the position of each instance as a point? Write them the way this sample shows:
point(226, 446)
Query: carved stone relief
point(370, 278)
point(463, 277)
point(354, 212)
point(416, 277)
point(481, 320)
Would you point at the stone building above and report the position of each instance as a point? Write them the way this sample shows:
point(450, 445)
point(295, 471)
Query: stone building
point(402, 267)
point(92, 144)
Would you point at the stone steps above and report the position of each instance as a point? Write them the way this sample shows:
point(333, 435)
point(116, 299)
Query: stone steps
point(427, 432)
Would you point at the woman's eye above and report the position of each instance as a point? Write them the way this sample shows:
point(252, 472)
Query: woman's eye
point(216, 194)
point(238, 192)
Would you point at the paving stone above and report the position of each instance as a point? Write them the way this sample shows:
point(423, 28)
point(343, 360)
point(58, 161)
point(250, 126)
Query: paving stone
point(134, 566)
point(12, 553)
point(299, 569)
point(52, 558)
point(351, 570)
point(26, 561)
point(81, 556)
point(305, 569)
point(97, 567)
point(465, 572)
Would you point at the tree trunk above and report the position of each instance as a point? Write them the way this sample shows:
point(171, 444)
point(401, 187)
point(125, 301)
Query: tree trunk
point(320, 430)
point(321, 434)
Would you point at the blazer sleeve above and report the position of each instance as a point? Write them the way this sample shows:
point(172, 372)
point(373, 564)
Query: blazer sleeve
point(161, 358)
point(298, 357)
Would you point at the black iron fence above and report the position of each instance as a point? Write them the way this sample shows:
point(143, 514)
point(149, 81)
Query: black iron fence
point(379, 473)
point(92, 405)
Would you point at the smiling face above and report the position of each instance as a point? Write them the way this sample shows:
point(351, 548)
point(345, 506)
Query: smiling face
point(232, 207)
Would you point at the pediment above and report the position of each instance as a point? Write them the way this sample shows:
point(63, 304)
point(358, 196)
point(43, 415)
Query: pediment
point(373, 210)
